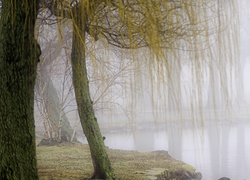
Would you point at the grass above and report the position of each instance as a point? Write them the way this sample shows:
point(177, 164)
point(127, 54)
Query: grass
point(73, 162)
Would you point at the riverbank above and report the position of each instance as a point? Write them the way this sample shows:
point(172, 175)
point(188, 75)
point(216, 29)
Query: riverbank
point(72, 161)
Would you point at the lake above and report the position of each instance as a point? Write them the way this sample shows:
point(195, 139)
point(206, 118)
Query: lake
point(217, 149)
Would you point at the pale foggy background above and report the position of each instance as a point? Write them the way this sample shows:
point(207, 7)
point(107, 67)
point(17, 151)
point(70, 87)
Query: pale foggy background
point(214, 142)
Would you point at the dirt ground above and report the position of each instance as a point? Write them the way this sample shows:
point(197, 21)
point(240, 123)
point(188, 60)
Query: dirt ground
point(69, 161)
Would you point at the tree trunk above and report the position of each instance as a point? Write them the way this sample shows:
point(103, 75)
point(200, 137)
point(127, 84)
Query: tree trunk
point(18, 61)
point(101, 162)
point(240, 93)
point(53, 106)
point(47, 92)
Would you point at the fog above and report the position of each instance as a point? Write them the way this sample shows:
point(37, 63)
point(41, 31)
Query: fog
point(207, 130)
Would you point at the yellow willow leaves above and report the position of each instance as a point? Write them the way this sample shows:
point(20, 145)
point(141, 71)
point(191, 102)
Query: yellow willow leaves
point(164, 36)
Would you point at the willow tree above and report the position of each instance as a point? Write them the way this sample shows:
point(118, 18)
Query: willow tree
point(157, 30)
point(19, 54)
point(151, 26)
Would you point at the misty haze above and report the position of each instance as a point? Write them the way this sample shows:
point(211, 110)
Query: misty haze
point(206, 128)
point(127, 89)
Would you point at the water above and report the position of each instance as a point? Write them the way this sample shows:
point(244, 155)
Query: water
point(216, 150)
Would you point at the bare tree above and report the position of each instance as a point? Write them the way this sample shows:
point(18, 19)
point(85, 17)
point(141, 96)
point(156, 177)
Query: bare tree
point(54, 104)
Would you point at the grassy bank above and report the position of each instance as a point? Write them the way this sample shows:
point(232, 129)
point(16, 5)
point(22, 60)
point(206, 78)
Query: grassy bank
point(72, 161)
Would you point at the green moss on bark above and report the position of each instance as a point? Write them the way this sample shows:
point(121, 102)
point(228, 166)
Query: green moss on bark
point(101, 162)
point(18, 60)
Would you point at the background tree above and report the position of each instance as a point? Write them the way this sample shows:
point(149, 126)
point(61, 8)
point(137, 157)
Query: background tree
point(53, 108)
point(54, 104)
point(19, 55)
point(157, 29)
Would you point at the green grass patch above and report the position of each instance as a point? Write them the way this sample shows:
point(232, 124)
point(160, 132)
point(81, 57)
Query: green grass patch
point(73, 161)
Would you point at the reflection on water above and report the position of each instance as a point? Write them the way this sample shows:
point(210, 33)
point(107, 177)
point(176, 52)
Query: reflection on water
point(215, 150)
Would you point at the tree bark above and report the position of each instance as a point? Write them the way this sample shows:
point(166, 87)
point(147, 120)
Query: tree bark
point(53, 106)
point(18, 61)
point(101, 162)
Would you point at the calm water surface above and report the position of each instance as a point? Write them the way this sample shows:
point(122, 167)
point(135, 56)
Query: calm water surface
point(215, 150)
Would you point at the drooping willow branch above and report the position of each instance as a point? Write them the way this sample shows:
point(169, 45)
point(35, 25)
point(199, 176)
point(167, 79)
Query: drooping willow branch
point(132, 24)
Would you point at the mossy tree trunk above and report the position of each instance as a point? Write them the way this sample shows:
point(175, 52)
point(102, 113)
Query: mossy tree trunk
point(101, 162)
point(18, 61)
